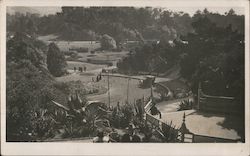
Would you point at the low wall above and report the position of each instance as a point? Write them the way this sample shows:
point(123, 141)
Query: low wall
point(122, 76)
point(209, 139)
point(217, 104)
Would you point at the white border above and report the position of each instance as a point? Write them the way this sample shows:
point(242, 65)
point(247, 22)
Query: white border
point(119, 148)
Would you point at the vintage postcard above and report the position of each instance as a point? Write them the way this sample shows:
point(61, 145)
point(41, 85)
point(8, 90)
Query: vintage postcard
point(85, 77)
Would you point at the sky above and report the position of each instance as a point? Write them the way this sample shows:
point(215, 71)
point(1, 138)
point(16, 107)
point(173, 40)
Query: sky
point(189, 10)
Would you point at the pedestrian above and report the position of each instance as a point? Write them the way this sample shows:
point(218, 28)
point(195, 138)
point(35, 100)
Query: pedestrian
point(100, 76)
point(159, 114)
point(84, 68)
point(74, 69)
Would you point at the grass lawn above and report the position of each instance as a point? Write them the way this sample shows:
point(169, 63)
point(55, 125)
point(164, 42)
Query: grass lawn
point(118, 91)
point(106, 55)
point(89, 66)
point(65, 45)
point(118, 88)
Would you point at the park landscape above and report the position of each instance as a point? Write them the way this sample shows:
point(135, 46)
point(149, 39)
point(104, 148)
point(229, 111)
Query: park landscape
point(105, 74)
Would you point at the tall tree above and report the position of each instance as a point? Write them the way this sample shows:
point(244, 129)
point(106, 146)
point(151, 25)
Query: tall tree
point(56, 61)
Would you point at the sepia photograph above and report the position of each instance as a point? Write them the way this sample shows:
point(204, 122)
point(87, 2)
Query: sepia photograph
point(125, 74)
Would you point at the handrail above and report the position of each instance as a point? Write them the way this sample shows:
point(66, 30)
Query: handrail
point(122, 76)
point(165, 87)
point(147, 105)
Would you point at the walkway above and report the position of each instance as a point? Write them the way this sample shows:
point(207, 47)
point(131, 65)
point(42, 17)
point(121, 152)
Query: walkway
point(202, 123)
point(171, 105)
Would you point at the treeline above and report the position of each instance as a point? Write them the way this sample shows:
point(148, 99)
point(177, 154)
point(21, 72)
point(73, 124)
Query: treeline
point(121, 23)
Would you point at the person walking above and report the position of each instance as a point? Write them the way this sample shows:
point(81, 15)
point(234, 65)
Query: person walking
point(97, 78)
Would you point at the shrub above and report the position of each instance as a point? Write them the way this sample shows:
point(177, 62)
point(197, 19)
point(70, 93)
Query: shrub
point(121, 116)
point(170, 133)
point(186, 105)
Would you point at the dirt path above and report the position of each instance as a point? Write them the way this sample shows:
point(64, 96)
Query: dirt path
point(119, 89)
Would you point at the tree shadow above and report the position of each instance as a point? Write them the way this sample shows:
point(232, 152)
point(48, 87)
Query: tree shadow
point(231, 122)
point(235, 122)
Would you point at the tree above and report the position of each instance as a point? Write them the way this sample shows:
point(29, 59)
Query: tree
point(56, 61)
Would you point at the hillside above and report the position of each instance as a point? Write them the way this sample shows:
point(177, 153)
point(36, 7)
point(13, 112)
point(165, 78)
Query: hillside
point(29, 88)
point(78, 23)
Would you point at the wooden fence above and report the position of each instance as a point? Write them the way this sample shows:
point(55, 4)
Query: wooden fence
point(161, 126)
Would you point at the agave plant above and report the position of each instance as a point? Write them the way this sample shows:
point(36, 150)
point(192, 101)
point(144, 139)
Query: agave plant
point(170, 132)
point(82, 119)
point(186, 105)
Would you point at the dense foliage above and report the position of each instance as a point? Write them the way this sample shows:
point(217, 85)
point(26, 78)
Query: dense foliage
point(214, 55)
point(210, 54)
point(150, 57)
point(29, 89)
point(121, 23)
point(122, 116)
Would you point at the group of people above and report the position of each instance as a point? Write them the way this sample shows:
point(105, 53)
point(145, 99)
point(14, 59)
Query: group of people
point(80, 69)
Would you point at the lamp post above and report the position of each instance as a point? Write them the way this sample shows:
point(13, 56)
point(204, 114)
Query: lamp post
point(128, 89)
point(108, 85)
